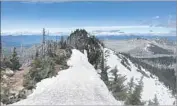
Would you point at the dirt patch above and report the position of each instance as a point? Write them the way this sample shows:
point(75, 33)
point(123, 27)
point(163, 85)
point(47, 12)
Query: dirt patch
point(12, 86)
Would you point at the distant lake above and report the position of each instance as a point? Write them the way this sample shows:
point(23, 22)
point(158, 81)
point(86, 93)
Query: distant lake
point(28, 40)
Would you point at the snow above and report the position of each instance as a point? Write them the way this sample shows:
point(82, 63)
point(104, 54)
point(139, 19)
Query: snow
point(78, 85)
point(151, 87)
point(146, 47)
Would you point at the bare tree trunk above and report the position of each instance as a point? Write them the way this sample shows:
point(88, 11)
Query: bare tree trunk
point(43, 42)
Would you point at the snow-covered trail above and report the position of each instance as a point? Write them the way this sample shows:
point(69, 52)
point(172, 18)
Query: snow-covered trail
point(78, 85)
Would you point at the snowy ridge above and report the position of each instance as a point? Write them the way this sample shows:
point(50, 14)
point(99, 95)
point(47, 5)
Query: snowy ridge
point(152, 85)
point(78, 85)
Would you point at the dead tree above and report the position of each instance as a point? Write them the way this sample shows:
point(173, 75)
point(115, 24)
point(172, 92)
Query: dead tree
point(43, 42)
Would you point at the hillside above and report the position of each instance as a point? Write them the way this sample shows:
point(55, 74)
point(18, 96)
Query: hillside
point(79, 69)
point(152, 85)
point(89, 88)
point(141, 47)
point(78, 85)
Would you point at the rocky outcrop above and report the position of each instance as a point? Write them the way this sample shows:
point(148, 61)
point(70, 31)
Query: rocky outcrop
point(82, 40)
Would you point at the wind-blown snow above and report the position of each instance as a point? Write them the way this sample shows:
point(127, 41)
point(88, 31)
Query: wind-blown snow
point(151, 87)
point(78, 85)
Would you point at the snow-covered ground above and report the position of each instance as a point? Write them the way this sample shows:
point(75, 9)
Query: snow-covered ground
point(151, 87)
point(78, 85)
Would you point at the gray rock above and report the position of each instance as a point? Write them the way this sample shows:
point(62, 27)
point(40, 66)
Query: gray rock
point(9, 72)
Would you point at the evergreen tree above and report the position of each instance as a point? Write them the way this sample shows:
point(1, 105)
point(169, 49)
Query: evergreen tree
point(104, 74)
point(131, 85)
point(15, 64)
point(62, 43)
point(37, 54)
point(5, 63)
point(135, 97)
point(117, 86)
point(130, 91)
point(150, 103)
point(154, 102)
point(41, 69)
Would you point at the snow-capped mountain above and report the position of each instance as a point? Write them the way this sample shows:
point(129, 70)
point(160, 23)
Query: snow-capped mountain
point(152, 85)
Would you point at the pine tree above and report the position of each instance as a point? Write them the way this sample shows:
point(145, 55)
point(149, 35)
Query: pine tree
point(131, 85)
point(150, 103)
point(154, 102)
point(130, 91)
point(117, 86)
point(37, 54)
point(104, 74)
point(135, 95)
point(62, 43)
point(15, 64)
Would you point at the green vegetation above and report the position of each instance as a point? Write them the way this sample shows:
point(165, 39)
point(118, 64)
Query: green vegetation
point(11, 62)
point(134, 96)
point(44, 66)
point(117, 87)
point(41, 69)
point(82, 40)
point(15, 64)
point(57, 53)
point(165, 75)
point(131, 94)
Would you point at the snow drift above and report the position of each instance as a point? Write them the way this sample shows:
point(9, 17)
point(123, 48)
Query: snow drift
point(151, 86)
point(78, 85)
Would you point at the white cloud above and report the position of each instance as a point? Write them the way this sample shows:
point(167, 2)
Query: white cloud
point(103, 30)
point(156, 17)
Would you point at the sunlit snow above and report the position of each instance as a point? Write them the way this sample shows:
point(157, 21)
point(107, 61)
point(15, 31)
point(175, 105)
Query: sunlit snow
point(151, 87)
point(78, 85)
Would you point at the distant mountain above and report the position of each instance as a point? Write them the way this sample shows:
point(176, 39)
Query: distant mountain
point(8, 42)
point(28, 40)
point(123, 37)
point(143, 47)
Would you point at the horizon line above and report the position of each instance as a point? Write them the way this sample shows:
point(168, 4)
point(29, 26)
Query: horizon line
point(58, 1)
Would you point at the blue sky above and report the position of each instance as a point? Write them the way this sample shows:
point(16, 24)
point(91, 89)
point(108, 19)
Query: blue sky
point(29, 16)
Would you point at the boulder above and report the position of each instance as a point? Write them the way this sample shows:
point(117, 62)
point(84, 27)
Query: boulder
point(9, 72)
